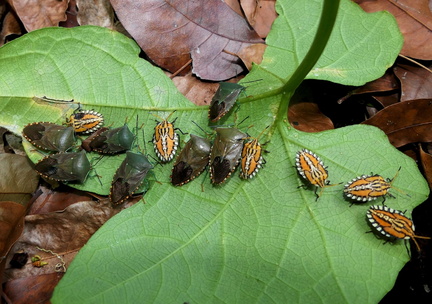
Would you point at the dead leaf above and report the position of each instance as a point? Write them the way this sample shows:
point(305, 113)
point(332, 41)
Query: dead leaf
point(260, 14)
point(387, 100)
point(252, 54)
point(172, 32)
point(11, 224)
point(307, 117)
point(61, 232)
point(415, 22)
point(198, 92)
point(426, 163)
point(416, 82)
point(36, 14)
point(71, 15)
point(18, 174)
point(95, 12)
point(34, 289)
point(405, 122)
point(10, 26)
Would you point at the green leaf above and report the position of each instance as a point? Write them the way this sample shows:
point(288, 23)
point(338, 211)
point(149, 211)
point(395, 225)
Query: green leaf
point(263, 240)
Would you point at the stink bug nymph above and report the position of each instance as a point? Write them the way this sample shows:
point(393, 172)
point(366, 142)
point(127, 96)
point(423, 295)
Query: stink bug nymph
point(49, 136)
point(392, 224)
point(251, 158)
point(311, 168)
point(369, 187)
point(225, 153)
point(112, 141)
point(192, 160)
point(86, 121)
point(64, 167)
point(165, 139)
point(129, 177)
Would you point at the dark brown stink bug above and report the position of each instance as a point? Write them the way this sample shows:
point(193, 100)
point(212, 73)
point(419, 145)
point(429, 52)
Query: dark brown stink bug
point(129, 177)
point(224, 99)
point(192, 160)
point(64, 167)
point(49, 136)
point(225, 153)
point(111, 141)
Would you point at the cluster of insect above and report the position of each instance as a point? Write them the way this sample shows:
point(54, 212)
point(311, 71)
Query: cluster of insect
point(65, 166)
point(391, 224)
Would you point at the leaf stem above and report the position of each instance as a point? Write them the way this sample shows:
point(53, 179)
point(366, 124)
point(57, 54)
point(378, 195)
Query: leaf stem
point(325, 27)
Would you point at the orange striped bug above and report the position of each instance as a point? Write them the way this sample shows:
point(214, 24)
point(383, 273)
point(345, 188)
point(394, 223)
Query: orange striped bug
point(165, 139)
point(392, 224)
point(369, 187)
point(251, 158)
point(311, 168)
point(86, 121)
point(49, 136)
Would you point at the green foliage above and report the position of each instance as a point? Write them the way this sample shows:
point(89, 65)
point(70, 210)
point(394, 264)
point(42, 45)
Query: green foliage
point(263, 240)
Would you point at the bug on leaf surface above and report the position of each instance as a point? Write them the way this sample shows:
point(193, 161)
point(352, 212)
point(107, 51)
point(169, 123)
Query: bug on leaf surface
point(369, 187)
point(49, 136)
point(224, 99)
point(311, 168)
point(392, 224)
point(111, 141)
point(191, 161)
point(129, 177)
point(86, 121)
point(165, 139)
point(225, 153)
point(251, 158)
point(64, 167)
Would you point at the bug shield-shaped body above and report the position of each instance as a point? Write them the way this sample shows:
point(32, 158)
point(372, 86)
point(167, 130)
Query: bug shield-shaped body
point(251, 159)
point(367, 187)
point(192, 160)
point(65, 167)
point(392, 224)
point(224, 99)
point(49, 136)
point(112, 141)
point(86, 122)
point(311, 168)
point(225, 153)
point(129, 177)
point(165, 141)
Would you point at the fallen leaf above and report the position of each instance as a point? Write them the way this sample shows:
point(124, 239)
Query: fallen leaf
point(416, 82)
point(71, 15)
point(405, 122)
point(415, 22)
point(260, 14)
point(172, 32)
point(10, 26)
point(198, 92)
point(307, 117)
point(426, 163)
point(95, 12)
point(35, 14)
point(11, 224)
point(252, 54)
point(18, 174)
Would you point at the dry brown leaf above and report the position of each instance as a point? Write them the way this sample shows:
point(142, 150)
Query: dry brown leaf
point(18, 175)
point(260, 14)
point(416, 82)
point(307, 117)
point(198, 92)
point(34, 289)
point(11, 224)
point(405, 122)
point(426, 163)
point(10, 26)
point(415, 22)
point(36, 14)
point(252, 54)
point(71, 15)
point(172, 32)
point(95, 12)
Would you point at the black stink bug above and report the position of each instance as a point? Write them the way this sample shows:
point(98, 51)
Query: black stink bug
point(49, 136)
point(224, 99)
point(86, 121)
point(225, 153)
point(111, 141)
point(165, 139)
point(129, 177)
point(64, 167)
point(192, 160)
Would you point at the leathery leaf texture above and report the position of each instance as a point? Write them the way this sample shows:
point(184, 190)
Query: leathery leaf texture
point(263, 240)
